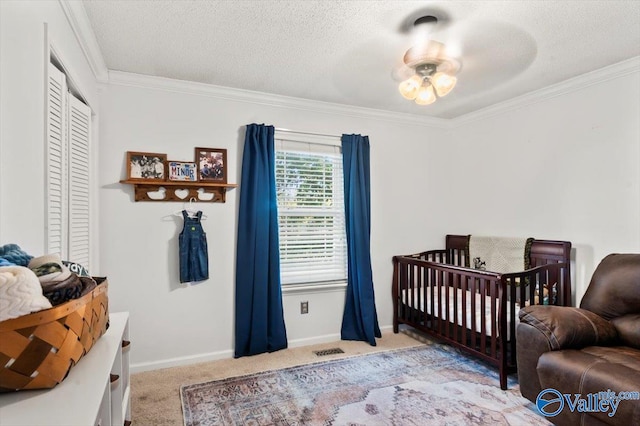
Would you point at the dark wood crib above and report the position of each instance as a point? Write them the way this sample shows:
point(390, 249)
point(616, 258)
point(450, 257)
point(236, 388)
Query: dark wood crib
point(436, 292)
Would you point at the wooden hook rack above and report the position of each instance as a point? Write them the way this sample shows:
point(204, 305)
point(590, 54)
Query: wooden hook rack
point(180, 191)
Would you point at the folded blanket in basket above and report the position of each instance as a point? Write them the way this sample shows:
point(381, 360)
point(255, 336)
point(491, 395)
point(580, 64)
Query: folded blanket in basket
point(49, 268)
point(71, 288)
point(12, 253)
point(499, 254)
point(20, 293)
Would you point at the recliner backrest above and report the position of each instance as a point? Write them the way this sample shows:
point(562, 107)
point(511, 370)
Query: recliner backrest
point(614, 290)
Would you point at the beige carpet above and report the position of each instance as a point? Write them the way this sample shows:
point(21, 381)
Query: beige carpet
point(155, 395)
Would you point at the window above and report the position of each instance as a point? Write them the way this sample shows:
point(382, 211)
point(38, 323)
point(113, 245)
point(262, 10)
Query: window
point(67, 162)
point(310, 191)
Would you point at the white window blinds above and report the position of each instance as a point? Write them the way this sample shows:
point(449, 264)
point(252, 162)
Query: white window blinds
point(68, 183)
point(309, 186)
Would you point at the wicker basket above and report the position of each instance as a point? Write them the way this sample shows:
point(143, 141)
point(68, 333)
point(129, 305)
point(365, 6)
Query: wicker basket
point(38, 350)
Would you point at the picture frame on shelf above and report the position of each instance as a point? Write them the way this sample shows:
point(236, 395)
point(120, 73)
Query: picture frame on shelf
point(182, 171)
point(146, 167)
point(212, 164)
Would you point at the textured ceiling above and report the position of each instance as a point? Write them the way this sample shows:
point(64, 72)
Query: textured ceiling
point(349, 52)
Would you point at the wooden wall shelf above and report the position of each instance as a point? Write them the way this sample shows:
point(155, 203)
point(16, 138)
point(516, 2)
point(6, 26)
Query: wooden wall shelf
point(180, 191)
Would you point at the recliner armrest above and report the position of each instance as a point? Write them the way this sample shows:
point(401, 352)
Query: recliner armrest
point(569, 328)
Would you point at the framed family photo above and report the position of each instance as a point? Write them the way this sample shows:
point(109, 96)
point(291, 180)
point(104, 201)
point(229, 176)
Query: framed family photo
point(212, 164)
point(146, 166)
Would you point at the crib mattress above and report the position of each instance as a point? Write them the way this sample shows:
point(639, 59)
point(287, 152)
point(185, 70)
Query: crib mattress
point(416, 303)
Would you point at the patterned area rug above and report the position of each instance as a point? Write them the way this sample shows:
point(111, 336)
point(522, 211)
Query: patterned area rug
point(427, 385)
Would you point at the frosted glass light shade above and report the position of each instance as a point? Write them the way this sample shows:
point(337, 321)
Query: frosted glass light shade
point(443, 83)
point(426, 95)
point(409, 88)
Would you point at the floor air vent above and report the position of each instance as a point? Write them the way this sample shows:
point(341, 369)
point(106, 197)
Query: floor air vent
point(331, 351)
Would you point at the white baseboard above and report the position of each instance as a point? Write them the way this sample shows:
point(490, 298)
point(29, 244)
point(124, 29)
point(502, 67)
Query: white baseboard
point(327, 338)
point(308, 341)
point(180, 361)
point(226, 354)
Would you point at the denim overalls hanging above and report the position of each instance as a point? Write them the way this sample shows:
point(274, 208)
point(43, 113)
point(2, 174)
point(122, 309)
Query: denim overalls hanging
point(194, 260)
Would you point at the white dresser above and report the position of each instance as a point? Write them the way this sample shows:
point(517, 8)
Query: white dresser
point(96, 392)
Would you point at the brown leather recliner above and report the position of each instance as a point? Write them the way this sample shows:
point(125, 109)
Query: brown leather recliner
point(586, 350)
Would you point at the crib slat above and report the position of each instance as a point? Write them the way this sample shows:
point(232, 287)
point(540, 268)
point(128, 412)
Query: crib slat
point(412, 293)
point(456, 285)
point(421, 300)
point(532, 293)
point(432, 284)
point(494, 325)
point(564, 293)
point(483, 316)
point(472, 295)
point(464, 293)
point(440, 300)
point(445, 303)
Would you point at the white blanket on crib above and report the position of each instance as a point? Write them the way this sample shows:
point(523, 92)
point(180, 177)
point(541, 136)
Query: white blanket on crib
point(448, 308)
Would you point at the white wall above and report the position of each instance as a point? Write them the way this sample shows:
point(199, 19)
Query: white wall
point(170, 323)
point(23, 59)
point(566, 168)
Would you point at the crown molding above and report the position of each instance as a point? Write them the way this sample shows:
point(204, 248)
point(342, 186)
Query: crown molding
point(261, 98)
point(580, 82)
point(79, 21)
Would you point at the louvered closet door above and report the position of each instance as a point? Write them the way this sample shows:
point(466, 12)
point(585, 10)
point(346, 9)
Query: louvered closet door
point(56, 175)
point(79, 137)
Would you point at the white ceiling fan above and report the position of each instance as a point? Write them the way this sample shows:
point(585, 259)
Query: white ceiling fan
point(427, 72)
point(468, 57)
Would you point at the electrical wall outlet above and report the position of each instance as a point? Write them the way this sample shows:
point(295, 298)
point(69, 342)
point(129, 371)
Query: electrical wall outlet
point(304, 307)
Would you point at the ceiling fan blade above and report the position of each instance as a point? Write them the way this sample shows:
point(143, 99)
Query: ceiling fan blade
point(491, 58)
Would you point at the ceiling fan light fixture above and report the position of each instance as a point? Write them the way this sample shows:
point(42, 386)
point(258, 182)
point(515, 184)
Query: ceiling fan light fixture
point(443, 83)
point(409, 88)
point(426, 95)
point(433, 72)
